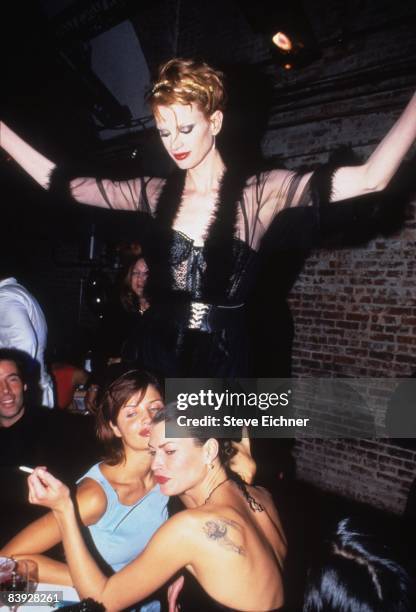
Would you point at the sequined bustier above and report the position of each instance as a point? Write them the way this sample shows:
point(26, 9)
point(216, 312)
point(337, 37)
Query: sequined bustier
point(189, 266)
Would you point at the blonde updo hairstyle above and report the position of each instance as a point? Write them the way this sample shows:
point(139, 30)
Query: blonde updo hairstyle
point(186, 81)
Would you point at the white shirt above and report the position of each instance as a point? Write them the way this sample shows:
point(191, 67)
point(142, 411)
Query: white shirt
point(23, 326)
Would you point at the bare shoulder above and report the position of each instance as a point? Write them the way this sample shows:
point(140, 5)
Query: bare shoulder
point(186, 521)
point(181, 529)
point(196, 522)
point(267, 184)
point(220, 526)
point(260, 493)
point(92, 501)
point(264, 498)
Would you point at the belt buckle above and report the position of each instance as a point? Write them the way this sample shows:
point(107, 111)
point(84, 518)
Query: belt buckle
point(198, 316)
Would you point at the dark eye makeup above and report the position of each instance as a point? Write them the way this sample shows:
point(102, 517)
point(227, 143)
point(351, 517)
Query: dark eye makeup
point(186, 129)
point(183, 129)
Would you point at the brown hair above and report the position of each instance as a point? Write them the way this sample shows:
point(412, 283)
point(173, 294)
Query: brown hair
point(187, 81)
point(128, 298)
point(115, 396)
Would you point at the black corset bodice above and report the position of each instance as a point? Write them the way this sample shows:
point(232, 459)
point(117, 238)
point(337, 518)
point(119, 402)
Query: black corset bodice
point(188, 266)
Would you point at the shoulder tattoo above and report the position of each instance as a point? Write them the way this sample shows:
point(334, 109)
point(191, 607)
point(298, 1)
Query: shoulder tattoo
point(217, 530)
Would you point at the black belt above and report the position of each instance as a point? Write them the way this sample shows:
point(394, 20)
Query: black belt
point(210, 317)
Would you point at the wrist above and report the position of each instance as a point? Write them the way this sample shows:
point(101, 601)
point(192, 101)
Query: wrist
point(63, 509)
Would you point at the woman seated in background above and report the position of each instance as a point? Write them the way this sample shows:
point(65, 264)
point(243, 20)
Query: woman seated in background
point(122, 327)
point(355, 573)
point(229, 537)
point(134, 301)
point(119, 499)
point(133, 289)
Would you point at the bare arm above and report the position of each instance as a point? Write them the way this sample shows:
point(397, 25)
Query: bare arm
point(279, 189)
point(134, 582)
point(378, 170)
point(242, 462)
point(44, 533)
point(39, 536)
point(33, 162)
point(121, 195)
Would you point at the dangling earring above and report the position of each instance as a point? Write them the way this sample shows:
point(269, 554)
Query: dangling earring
point(211, 466)
point(213, 141)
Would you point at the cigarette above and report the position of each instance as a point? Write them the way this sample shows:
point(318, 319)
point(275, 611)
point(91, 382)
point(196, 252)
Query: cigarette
point(24, 468)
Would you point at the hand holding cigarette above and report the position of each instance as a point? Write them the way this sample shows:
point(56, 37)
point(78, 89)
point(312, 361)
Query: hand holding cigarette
point(25, 468)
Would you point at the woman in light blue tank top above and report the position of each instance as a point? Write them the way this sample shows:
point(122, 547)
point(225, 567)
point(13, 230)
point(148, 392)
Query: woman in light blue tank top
point(118, 499)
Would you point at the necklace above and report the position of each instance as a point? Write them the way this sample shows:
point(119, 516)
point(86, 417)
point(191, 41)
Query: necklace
point(214, 489)
point(253, 503)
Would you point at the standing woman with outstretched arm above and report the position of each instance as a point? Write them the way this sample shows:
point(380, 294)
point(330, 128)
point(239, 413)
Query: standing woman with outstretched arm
point(210, 219)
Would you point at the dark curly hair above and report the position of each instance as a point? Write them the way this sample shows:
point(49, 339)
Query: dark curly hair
point(21, 360)
point(225, 448)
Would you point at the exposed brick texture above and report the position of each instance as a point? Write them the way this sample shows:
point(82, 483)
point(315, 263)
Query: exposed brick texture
point(354, 308)
point(371, 471)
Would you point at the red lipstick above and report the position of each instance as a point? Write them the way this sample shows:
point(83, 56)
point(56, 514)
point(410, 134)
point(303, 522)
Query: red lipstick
point(161, 479)
point(181, 156)
point(145, 432)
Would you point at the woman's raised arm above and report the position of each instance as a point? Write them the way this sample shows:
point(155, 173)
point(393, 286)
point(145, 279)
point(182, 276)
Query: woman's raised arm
point(277, 189)
point(134, 582)
point(376, 173)
point(120, 195)
point(33, 162)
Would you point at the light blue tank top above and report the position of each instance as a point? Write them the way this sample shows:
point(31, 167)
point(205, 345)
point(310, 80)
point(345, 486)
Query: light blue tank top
point(123, 531)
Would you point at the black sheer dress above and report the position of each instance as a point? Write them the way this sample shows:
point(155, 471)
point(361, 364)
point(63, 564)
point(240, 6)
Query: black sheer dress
point(196, 326)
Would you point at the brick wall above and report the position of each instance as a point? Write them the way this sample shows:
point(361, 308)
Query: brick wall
point(370, 471)
point(354, 308)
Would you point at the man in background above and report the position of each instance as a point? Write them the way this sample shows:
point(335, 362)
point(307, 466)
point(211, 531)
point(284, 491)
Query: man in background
point(33, 435)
